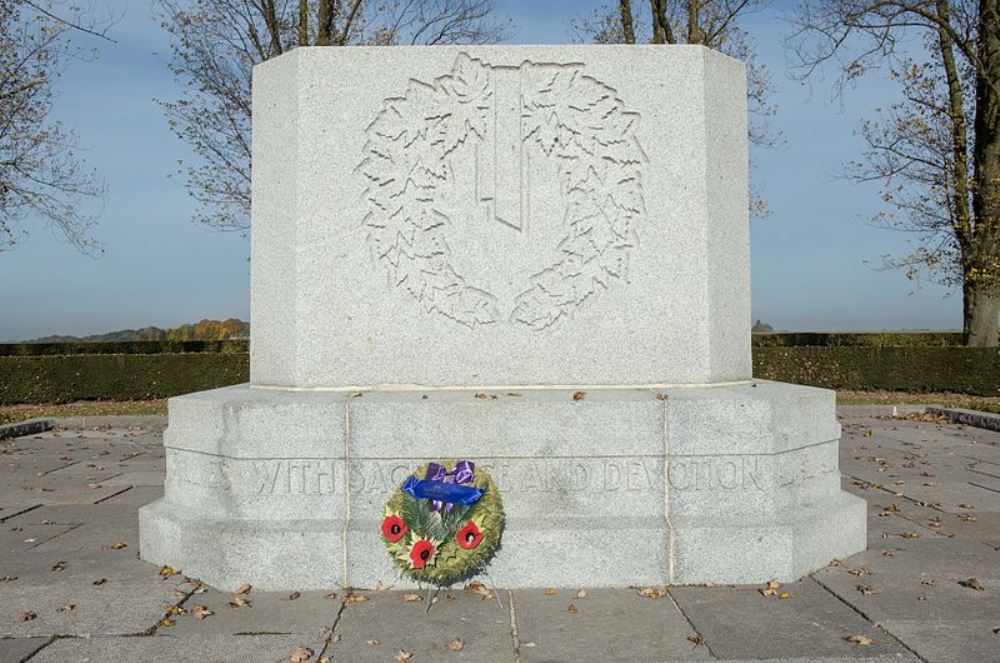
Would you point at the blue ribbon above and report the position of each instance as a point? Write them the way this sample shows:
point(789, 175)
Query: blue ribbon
point(445, 488)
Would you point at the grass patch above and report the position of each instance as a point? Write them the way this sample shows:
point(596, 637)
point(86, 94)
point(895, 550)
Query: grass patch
point(14, 413)
point(964, 401)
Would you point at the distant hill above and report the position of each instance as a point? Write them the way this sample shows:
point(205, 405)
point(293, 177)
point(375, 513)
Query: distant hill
point(205, 330)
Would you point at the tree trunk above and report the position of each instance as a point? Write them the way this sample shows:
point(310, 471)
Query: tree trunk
point(628, 29)
point(324, 22)
point(982, 278)
point(303, 22)
point(695, 34)
point(982, 316)
point(662, 34)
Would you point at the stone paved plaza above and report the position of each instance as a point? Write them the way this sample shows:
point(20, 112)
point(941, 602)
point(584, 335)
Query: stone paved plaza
point(928, 587)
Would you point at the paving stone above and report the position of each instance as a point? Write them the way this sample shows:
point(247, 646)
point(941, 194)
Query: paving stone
point(387, 618)
point(15, 538)
point(122, 609)
point(946, 641)
point(19, 649)
point(918, 597)
point(609, 625)
point(269, 612)
point(166, 649)
point(944, 557)
point(740, 622)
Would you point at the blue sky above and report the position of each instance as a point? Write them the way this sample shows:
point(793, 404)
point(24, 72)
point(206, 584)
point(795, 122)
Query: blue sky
point(159, 268)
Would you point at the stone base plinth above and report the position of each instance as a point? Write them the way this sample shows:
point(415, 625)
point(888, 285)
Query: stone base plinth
point(612, 487)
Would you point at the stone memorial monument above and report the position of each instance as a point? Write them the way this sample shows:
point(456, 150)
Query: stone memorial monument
point(533, 257)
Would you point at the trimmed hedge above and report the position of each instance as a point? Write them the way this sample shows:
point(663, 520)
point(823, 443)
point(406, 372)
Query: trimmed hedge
point(121, 377)
point(123, 347)
point(916, 369)
point(61, 379)
point(760, 340)
point(864, 339)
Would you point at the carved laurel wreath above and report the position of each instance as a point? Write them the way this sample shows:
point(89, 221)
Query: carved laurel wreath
point(574, 120)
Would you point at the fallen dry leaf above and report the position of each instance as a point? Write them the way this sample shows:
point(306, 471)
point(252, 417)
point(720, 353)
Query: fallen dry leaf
point(166, 622)
point(244, 589)
point(8, 578)
point(331, 595)
point(403, 655)
point(355, 598)
point(866, 590)
point(479, 589)
point(412, 598)
point(582, 594)
point(239, 602)
point(200, 611)
point(571, 609)
point(653, 592)
point(59, 566)
point(696, 641)
point(456, 645)
point(770, 589)
point(860, 571)
point(26, 616)
point(176, 610)
point(860, 639)
point(301, 654)
point(371, 643)
point(784, 595)
point(117, 545)
point(579, 395)
point(971, 583)
point(167, 571)
point(551, 591)
point(293, 596)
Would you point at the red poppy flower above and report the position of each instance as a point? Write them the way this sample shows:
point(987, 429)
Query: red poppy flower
point(393, 528)
point(469, 536)
point(421, 553)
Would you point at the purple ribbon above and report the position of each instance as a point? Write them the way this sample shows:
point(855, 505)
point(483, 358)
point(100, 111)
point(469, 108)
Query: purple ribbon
point(442, 487)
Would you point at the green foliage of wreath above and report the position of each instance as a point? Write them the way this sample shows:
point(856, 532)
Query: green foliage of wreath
point(449, 561)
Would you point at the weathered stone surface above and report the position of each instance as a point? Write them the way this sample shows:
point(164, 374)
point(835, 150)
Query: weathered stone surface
point(166, 649)
point(614, 625)
point(377, 629)
point(599, 461)
point(582, 217)
point(804, 624)
point(532, 257)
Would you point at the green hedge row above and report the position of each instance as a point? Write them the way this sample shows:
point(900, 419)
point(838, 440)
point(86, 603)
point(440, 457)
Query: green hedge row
point(862, 339)
point(122, 377)
point(123, 348)
point(760, 340)
point(61, 379)
point(917, 369)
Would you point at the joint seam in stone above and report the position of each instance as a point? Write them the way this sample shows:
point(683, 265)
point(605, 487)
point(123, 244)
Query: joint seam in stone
point(666, 490)
point(347, 492)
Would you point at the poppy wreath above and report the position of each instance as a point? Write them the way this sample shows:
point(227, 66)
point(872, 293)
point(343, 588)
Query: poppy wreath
point(444, 522)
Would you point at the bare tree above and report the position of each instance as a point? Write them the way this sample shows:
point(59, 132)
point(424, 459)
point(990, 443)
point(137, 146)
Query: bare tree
point(936, 151)
point(216, 43)
point(712, 23)
point(41, 174)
